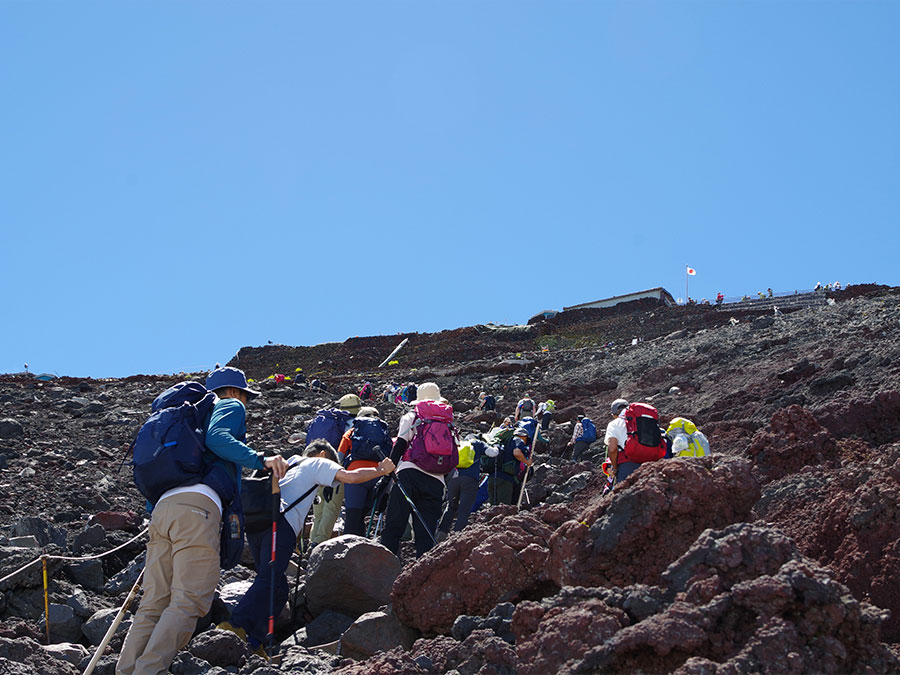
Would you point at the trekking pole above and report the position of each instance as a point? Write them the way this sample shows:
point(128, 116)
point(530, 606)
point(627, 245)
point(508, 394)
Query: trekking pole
point(276, 513)
point(415, 510)
point(115, 624)
point(537, 432)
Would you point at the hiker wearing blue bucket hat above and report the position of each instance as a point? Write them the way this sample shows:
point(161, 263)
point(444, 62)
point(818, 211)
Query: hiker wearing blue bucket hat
point(183, 554)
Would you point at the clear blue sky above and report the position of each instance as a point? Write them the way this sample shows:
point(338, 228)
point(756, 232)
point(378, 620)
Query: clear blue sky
point(181, 179)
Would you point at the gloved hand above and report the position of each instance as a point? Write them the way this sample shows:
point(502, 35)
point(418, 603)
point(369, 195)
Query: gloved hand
point(491, 451)
point(327, 493)
point(680, 444)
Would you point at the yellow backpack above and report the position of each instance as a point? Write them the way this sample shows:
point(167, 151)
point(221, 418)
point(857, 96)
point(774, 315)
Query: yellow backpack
point(697, 444)
point(466, 456)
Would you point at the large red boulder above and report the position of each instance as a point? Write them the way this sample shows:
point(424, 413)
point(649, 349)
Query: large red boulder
point(632, 535)
point(848, 519)
point(794, 439)
point(739, 600)
point(491, 561)
point(876, 421)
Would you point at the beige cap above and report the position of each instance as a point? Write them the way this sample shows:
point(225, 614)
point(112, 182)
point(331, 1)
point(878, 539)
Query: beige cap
point(350, 402)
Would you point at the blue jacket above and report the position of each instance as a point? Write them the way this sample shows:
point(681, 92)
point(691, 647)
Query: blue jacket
point(225, 435)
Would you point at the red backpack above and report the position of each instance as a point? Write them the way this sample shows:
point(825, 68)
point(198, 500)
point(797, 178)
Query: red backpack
point(646, 441)
point(433, 447)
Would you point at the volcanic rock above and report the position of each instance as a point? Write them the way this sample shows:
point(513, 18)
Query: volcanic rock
point(326, 627)
point(350, 574)
point(25, 656)
point(218, 648)
point(67, 651)
point(93, 535)
point(41, 529)
point(10, 428)
point(87, 573)
point(740, 598)
point(649, 520)
point(470, 573)
point(375, 632)
point(116, 520)
point(64, 625)
point(95, 628)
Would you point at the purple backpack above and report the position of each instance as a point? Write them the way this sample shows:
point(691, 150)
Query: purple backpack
point(433, 447)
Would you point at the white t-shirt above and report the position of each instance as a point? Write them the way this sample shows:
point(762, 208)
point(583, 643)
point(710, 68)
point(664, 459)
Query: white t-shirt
point(305, 472)
point(199, 488)
point(406, 432)
point(616, 429)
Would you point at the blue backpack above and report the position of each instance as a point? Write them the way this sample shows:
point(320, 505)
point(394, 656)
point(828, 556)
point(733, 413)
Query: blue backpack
point(329, 424)
point(368, 433)
point(168, 450)
point(588, 430)
point(530, 425)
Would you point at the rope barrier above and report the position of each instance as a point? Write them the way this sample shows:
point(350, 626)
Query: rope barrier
point(62, 557)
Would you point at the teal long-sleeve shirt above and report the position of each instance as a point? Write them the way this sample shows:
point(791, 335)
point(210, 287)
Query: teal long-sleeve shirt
point(225, 434)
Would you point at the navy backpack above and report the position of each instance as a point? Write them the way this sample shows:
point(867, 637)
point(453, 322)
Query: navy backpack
point(368, 434)
point(588, 431)
point(329, 424)
point(168, 450)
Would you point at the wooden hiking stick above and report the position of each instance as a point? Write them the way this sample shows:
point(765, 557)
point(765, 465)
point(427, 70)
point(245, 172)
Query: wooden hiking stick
point(115, 624)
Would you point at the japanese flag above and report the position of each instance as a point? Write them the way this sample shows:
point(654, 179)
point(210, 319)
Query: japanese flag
point(691, 271)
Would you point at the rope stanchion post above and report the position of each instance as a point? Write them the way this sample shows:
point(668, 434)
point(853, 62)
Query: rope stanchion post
point(46, 599)
point(43, 560)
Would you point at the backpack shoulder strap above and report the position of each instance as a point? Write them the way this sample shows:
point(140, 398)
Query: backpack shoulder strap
point(300, 498)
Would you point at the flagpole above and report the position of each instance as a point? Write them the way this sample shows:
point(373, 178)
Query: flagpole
point(686, 278)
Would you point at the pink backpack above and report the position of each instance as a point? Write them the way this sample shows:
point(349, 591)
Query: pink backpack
point(433, 447)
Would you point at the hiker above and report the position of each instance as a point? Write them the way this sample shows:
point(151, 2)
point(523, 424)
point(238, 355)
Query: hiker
point(720, 298)
point(633, 437)
point(318, 467)
point(318, 385)
point(502, 476)
point(462, 488)
point(182, 565)
point(545, 413)
point(366, 392)
point(424, 488)
point(487, 403)
point(837, 285)
point(330, 424)
point(358, 451)
point(770, 293)
point(584, 433)
point(818, 287)
point(616, 436)
point(524, 408)
point(687, 440)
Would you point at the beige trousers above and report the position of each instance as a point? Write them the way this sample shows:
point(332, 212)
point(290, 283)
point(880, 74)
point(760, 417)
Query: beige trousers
point(325, 515)
point(180, 578)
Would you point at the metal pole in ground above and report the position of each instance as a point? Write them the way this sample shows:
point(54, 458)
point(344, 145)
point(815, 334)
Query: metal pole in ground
point(115, 624)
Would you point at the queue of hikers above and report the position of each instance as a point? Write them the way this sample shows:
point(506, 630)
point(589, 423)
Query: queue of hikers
point(425, 479)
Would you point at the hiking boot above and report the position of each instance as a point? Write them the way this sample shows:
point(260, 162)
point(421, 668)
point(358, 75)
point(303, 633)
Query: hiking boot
point(240, 632)
point(260, 652)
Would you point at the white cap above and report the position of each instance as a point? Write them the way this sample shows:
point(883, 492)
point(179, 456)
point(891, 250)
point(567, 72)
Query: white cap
point(428, 391)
